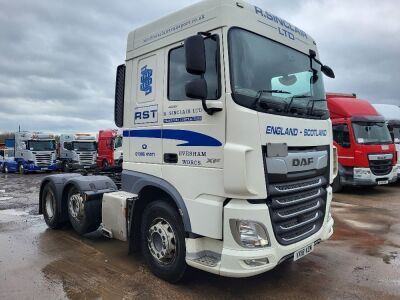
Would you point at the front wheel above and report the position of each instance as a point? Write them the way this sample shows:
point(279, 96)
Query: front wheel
point(5, 169)
point(337, 185)
point(105, 164)
point(21, 169)
point(163, 241)
point(85, 216)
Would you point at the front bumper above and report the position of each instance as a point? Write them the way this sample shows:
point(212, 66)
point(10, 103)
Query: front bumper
point(33, 168)
point(78, 166)
point(366, 178)
point(232, 256)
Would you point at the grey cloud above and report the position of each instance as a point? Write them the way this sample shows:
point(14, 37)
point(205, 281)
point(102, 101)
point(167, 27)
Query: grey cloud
point(58, 58)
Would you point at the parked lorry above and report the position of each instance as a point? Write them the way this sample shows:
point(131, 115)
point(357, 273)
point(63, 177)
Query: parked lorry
point(33, 151)
point(228, 154)
point(109, 149)
point(7, 161)
point(367, 155)
point(391, 113)
point(77, 151)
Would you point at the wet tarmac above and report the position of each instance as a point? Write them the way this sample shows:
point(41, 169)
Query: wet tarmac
point(361, 261)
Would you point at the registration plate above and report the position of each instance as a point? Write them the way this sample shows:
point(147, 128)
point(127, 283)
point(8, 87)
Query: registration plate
point(44, 169)
point(383, 182)
point(303, 252)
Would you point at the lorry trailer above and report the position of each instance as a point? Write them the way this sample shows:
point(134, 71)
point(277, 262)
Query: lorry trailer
point(228, 153)
point(391, 113)
point(33, 151)
point(109, 149)
point(77, 151)
point(367, 155)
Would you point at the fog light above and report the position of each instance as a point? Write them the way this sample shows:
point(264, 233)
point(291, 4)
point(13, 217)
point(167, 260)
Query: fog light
point(249, 234)
point(256, 262)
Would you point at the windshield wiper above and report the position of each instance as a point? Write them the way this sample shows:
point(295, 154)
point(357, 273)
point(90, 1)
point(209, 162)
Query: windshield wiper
point(291, 101)
point(261, 92)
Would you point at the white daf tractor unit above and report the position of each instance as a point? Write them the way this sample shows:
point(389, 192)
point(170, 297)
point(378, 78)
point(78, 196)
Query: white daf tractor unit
point(391, 113)
point(34, 151)
point(228, 155)
point(77, 151)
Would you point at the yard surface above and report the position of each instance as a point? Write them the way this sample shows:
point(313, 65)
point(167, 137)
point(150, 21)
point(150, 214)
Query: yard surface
point(360, 261)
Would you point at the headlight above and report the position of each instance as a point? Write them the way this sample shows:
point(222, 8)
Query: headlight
point(249, 234)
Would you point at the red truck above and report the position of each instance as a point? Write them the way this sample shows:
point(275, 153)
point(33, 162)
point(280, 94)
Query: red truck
point(109, 149)
point(366, 153)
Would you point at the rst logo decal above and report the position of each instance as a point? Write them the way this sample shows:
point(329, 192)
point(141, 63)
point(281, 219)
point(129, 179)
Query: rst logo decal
point(146, 80)
point(146, 114)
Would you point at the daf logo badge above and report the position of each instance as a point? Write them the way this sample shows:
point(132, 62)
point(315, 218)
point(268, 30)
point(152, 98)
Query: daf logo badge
point(297, 162)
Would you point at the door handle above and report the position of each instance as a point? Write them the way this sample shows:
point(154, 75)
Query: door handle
point(171, 158)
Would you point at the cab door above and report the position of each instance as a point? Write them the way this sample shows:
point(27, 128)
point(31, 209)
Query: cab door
point(190, 136)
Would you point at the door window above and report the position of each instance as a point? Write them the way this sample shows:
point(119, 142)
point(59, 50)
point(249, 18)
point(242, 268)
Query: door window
point(178, 76)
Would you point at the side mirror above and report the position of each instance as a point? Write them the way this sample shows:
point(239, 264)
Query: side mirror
point(195, 53)
point(196, 89)
point(119, 96)
point(346, 145)
point(327, 71)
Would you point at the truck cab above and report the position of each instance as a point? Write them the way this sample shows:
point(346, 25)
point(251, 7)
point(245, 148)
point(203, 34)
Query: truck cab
point(78, 151)
point(109, 149)
point(228, 154)
point(391, 113)
point(35, 151)
point(367, 155)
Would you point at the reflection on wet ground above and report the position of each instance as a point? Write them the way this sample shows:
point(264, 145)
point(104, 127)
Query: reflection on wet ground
point(362, 260)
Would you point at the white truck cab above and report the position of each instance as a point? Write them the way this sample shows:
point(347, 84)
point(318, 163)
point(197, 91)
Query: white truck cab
point(228, 155)
point(391, 113)
point(78, 151)
point(35, 151)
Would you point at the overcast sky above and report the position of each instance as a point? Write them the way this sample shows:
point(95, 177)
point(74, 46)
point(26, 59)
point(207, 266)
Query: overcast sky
point(58, 57)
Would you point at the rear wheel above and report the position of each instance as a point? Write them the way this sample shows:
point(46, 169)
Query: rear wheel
point(85, 216)
point(163, 241)
point(49, 207)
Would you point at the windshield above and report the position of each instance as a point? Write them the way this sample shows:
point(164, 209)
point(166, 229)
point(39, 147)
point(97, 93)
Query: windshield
point(49, 145)
point(371, 133)
point(395, 133)
point(279, 77)
point(118, 142)
point(84, 146)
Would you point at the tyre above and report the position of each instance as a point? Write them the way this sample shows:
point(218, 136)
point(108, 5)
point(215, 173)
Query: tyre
point(337, 185)
point(105, 164)
point(65, 168)
point(5, 169)
point(21, 169)
point(49, 207)
point(84, 216)
point(163, 241)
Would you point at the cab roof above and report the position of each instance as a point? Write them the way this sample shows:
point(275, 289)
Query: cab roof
point(390, 112)
point(347, 107)
point(208, 15)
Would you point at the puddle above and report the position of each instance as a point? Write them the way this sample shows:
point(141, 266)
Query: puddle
point(13, 212)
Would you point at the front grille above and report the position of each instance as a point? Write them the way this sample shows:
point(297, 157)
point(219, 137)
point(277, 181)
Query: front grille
point(43, 160)
point(86, 158)
point(299, 211)
point(297, 200)
point(380, 167)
